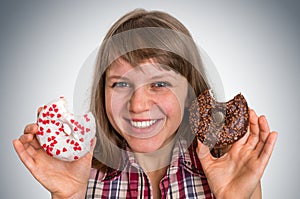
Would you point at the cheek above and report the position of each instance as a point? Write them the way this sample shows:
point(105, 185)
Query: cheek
point(174, 103)
point(115, 106)
point(111, 105)
point(172, 107)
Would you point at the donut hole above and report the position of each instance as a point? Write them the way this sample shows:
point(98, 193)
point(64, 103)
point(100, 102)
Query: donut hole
point(218, 117)
point(67, 129)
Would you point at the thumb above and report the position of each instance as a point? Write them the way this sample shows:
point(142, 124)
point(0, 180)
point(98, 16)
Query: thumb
point(89, 155)
point(203, 151)
point(93, 144)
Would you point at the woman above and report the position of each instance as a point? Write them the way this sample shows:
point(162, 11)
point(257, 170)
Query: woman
point(148, 71)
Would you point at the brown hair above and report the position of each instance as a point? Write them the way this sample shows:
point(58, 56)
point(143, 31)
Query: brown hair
point(178, 52)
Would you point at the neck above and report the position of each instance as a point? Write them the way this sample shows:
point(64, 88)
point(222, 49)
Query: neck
point(156, 160)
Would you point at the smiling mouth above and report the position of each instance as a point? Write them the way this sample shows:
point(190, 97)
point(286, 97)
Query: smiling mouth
point(142, 124)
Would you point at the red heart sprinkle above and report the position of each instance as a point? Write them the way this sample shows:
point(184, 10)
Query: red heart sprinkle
point(87, 130)
point(56, 110)
point(72, 121)
point(46, 122)
point(57, 152)
point(57, 133)
point(40, 133)
point(41, 128)
point(53, 105)
point(48, 131)
point(58, 115)
point(49, 139)
point(49, 153)
point(81, 140)
point(50, 109)
point(51, 115)
point(75, 129)
point(45, 106)
point(75, 157)
point(64, 149)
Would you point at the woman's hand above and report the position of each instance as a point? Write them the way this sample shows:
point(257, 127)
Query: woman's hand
point(62, 178)
point(237, 173)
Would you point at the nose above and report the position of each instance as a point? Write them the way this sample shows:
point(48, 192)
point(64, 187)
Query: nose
point(140, 100)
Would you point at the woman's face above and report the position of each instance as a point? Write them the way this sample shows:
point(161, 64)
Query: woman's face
point(145, 104)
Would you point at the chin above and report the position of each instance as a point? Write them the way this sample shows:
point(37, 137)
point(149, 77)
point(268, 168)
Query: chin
point(144, 146)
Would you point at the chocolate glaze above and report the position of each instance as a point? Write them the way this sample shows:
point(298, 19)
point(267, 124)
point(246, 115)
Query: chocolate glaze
point(219, 124)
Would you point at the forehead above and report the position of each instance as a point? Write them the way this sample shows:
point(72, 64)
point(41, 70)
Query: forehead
point(120, 67)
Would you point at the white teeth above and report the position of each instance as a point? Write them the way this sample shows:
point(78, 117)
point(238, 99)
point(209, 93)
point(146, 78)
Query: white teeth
point(142, 124)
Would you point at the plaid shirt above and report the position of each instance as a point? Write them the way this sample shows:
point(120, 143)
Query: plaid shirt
point(184, 179)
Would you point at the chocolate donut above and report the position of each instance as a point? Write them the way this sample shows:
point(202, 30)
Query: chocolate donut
point(218, 124)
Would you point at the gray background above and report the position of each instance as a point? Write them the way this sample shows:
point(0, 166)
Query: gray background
point(255, 46)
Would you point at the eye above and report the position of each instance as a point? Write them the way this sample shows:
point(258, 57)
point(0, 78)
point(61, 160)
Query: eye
point(120, 84)
point(160, 84)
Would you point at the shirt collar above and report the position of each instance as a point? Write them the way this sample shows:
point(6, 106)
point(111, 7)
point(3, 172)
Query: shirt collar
point(186, 157)
point(182, 156)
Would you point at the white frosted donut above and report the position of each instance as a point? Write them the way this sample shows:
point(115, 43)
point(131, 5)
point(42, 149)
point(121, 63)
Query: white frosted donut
point(63, 135)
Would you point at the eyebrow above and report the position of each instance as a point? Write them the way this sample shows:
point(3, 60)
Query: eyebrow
point(116, 77)
point(119, 77)
point(163, 76)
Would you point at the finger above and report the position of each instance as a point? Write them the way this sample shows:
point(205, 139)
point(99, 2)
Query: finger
point(93, 144)
point(23, 155)
point(253, 122)
point(254, 129)
point(31, 151)
point(264, 128)
point(268, 148)
point(241, 141)
point(26, 138)
point(31, 129)
point(94, 141)
point(35, 144)
point(39, 110)
point(203, 152)
point(29, 139)
point(264, 133)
